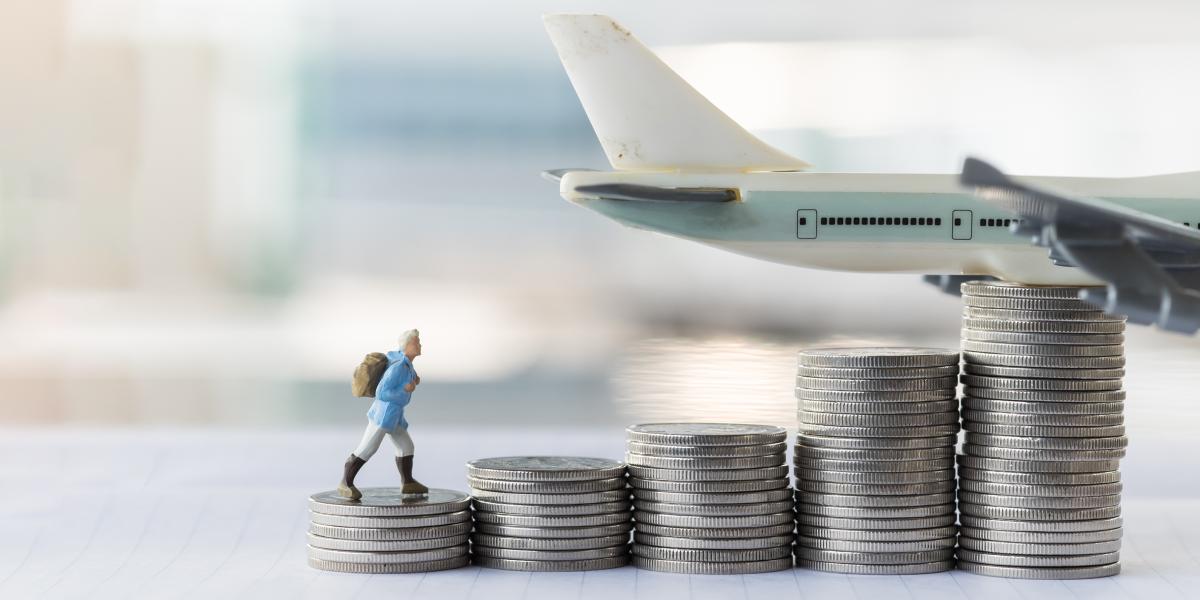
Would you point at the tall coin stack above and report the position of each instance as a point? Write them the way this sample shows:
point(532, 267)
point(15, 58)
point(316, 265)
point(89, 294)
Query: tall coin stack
point(1042, 407)
point(550, 513)
point(710, 498)
point(875, 460)
point(386, 532)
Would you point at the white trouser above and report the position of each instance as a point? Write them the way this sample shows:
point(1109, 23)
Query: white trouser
point(373, 436)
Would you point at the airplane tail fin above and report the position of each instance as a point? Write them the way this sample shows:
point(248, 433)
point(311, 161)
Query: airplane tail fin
point(646, 116)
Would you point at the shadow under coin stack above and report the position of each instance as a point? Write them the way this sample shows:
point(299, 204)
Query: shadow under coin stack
point(875, 460)
point(386, 532)
point(1043, 411)
point(550, 513)
point(710, 498)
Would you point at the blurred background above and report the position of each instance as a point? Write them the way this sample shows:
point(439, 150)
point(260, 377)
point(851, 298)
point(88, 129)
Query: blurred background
point(210, 210)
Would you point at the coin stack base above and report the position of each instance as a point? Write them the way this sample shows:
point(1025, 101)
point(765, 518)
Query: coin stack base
point(874, 460)
point(389, 532)
point(710, 498)
point(1039, 486)
point(550, 513)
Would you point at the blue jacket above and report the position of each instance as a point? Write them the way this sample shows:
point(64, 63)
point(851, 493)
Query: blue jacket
point(387, 411)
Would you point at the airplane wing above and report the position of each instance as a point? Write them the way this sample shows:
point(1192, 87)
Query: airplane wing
point(1151, 265)
point(646, 193)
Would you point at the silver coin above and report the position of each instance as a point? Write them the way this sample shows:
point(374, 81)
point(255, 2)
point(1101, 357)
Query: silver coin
point(374, 568)
point(805, 394)
point(1047, 443)
point(853, 489)
point(970, 345)
point(716, 533)
point(877, 373)
point(804, 519)
point(712, 568)
point(389, 502)
point(698, 522)
point(871, 358)
point(1030, 361)
point(1063, 385)
point(856, 569)
point(1044, 431)
point(391, 522)
point(1041, 372)
point(809, 429)
point(1008, 513)
point(711, 499)
point(876, 455)
point(1042, 526)
point(844, 420)
point(879, 408)
point(884, 512)
point(707, 474)
point(868, 443)
point(1045, 395)
point(1041, 491)
point(551, 499)
point(874, 558)
point(1003, 418)
point(554, 532)
point(1039, 479)
point(1035, 537)
point(1005, 289)
point(550, 555)
point(532, 521)
point(645, 539)
point(317, 541)
point(548, 544)
point(709, 487)
point(378, 534)
point(992, 546)
point(889, 546)
point(707, 555)
point(551, 510)
point(1046, 502)
point(1098, 326)
point(1042, 408)
point(715, 510)
point(1041, 455)
point(1038, 466)
point(875, 501)
point(1016, 560)
point(876, 478)
point(707, 463)
point(594, 564)
point(410, 556)
point(1019, 337)
point(978, 312)
point(545, 468)
point(875, 385)
point(706, 434)
point(1027, 303)
point(1040, 573)
point(874, 466)
point(546, 487)
point(672, 450)
point(879, 535)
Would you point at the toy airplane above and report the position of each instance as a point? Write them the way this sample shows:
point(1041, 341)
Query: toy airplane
point(684, 168)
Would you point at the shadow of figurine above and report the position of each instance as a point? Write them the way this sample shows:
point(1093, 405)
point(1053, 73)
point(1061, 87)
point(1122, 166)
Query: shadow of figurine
point(390, 379)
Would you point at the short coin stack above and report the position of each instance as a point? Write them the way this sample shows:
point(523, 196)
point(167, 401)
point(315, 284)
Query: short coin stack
point(875, 460)
point(710, 498)
point(386, 532)
point(1043, 411)
point(550, 513)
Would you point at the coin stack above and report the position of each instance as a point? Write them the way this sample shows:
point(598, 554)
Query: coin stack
point(875, 460)
point(710, 498)
point(1042, 408)
point(550, 513)
point(387, 532)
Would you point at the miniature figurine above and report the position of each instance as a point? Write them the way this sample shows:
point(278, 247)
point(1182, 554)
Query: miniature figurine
point(390, 379)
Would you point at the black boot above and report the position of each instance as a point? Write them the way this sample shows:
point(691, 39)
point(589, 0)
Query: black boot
point(346, 487)
point(408, 484)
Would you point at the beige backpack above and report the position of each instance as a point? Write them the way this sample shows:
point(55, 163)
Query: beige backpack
point(367, 375)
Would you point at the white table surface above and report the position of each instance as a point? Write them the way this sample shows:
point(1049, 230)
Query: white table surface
point(222, 514)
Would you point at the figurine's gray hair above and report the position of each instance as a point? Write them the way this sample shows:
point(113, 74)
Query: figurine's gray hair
point(408, 336)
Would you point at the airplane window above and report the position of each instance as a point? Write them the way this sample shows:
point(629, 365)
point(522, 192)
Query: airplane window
point(904, 221)
point(921, 221)
point(957, 221)
point(803, 220)
point(938, 221)
point(982, 222)
point(824, 220)
point(889, 220)
point(840, 221)
point(872, 220)
point(1007, 222)
point(856, 221)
